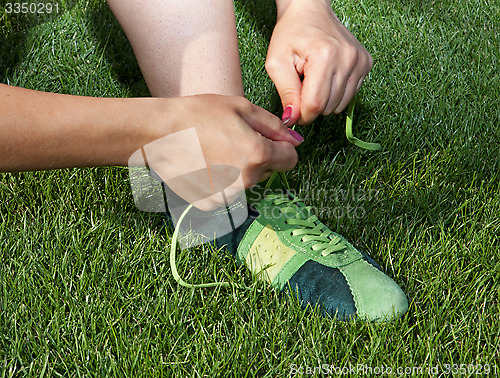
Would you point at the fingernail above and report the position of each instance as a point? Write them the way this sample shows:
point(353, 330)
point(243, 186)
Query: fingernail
point(287, 114)
point(296, 135)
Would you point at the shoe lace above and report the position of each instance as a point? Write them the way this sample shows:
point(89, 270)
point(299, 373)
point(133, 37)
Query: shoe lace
point(173, 265)
point(307, 224)
point(348, 130)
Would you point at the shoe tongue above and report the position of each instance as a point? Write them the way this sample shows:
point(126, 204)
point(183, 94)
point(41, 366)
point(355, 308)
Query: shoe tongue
point(259, 191)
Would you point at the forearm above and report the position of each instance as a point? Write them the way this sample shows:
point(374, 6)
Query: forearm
point(48, 131)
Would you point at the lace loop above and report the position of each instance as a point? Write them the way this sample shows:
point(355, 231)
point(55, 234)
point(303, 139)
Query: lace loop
point(348, 130)
point(173, 265)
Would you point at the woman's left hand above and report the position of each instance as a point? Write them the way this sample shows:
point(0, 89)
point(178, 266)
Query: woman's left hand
point(316, 64)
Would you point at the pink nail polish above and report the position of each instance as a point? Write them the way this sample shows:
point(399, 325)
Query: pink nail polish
point(296, 135)
point(287, 114)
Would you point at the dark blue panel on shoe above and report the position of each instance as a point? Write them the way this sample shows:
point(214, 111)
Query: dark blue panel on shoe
point(324, 286)
point(232, 240)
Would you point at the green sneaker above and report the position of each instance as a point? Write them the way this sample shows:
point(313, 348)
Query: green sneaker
point(284, 244)
point(289, 248)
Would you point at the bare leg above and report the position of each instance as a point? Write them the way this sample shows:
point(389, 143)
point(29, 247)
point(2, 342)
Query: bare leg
point(183, 47)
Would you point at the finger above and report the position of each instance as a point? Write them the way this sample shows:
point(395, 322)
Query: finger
point(283, 157)
point(360, 83)
point(336, 93)
point(348, 94)
point(286, 78)
point(343, 85)
point(341, 90)
point(270, 126)
point(315, 89)
point(268, 156)
point(355, 81)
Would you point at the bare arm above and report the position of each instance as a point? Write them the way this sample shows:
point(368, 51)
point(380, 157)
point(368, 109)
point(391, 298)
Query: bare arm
point(48, 131)
point(41, 131)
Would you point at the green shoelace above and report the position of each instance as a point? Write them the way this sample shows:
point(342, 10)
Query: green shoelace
point(173, 266)
point(309, 226)
point(348, 130)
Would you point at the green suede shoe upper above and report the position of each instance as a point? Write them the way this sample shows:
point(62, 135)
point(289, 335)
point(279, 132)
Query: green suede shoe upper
point(286, 236)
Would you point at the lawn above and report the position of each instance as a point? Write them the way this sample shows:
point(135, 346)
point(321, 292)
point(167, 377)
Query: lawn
point(85, 283)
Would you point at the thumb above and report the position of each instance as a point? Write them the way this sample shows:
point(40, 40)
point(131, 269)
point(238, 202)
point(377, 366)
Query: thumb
point(289, 86)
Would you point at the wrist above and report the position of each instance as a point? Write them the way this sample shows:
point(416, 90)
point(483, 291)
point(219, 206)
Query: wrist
point(283, 5)
point(127, 125)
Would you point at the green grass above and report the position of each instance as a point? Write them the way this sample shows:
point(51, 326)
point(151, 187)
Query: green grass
point(85, 285)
